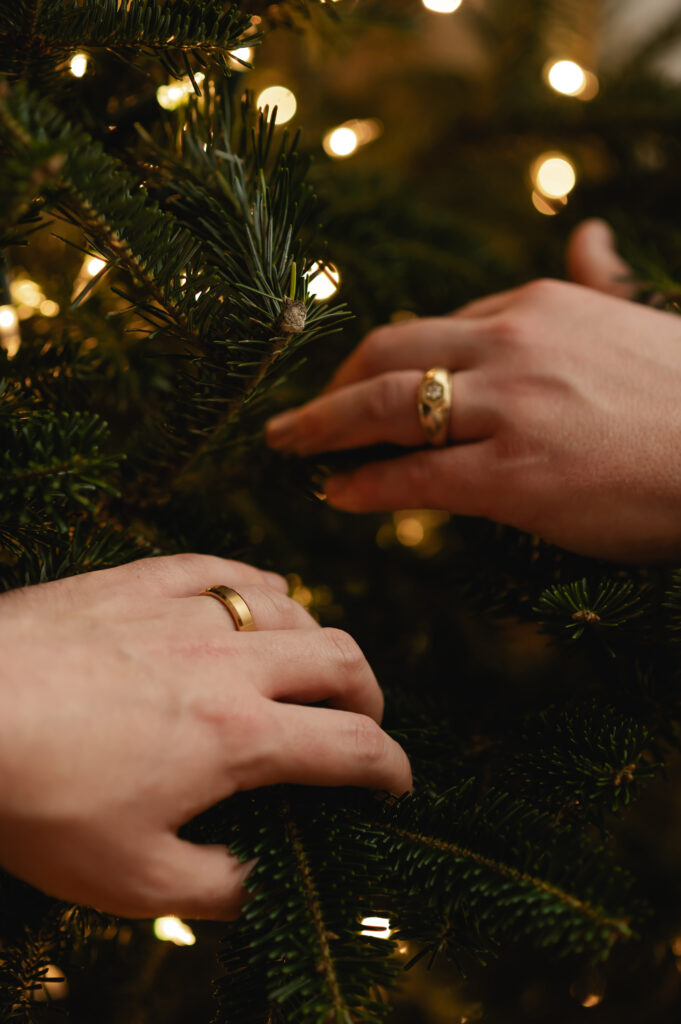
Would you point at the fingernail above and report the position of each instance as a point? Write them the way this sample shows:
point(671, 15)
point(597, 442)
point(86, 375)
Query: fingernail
point(281, 430)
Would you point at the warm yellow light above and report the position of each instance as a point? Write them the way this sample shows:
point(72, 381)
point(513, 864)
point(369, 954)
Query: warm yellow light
point(280, 97)
point(341, 142)
point(592, 1000)
point(26, 293)
point(8, 318)
point(379, 927)
point(175, 95)
point(93, 266)
point(410, 532)
point(53, 985)
point(10, 338)
point(323, 282)
point(442, 6)
point(172, 929)
point(244, 53)
point(554, 175)
point(676, 946)
point(78, 65)
point(566, 77)
point(548, 208)
point(49, 308)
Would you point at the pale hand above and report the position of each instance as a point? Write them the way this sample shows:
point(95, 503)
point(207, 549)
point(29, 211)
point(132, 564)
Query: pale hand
point(128, 704)
point(566, 413)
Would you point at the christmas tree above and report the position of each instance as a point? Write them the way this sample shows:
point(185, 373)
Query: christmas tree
point(175, 269)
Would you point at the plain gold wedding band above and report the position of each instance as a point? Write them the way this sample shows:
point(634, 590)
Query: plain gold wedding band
point(235, 605)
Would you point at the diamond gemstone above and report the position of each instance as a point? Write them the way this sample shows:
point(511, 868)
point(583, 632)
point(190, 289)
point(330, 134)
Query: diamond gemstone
point(433, 391)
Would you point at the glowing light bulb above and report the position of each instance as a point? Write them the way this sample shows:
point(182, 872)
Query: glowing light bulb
point(175, 95)
point(280, 97)
point(8, 318)
point(593, 999)
point(52, 985)
point(570, 79)
point(410, 532)
point(10, 338)
point(323, 282)
point(442, 6)
point(341, 142)
point(243, 53)
point(49, 308)
point(566, 77)
point(172, 929)
point(78, 64)
point(379, 927)
point(549, 208)
point(554, 175)
point(94, 265)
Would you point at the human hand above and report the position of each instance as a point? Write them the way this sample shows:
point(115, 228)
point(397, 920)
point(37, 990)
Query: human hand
point(128, 704)
point(566, 413)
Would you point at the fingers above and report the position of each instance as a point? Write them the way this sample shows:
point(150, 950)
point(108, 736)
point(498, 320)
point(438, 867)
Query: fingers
point(206, 617)
point(460, 479)
point(593, 260)
point(189, 880)
point(488, 306)
point(414, 345)
point(382, 409)
point(307, 666)
point(319, 747)
point(137, 584)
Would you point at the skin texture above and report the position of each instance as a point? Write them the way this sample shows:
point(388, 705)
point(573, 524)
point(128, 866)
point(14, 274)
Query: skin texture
point(565, 421)
point(128, 704)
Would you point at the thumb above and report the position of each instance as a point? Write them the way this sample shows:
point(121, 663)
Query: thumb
point(593, 260)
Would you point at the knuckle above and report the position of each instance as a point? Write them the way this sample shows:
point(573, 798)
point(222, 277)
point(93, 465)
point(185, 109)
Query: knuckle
point(381, 397)
point(370, 740)
point(345, 650)
point(509, 332)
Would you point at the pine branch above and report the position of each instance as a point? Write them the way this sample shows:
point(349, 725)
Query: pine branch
point(505, 865)
point(37, 38)
point(580, 762)
point(51, 466)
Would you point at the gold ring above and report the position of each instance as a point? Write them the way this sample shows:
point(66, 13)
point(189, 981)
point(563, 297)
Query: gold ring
point(435, 404)
point(235, 605)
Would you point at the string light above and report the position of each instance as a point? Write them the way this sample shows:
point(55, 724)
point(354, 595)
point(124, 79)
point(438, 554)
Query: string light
point(239, 57)
point(442, 6)
point(378, 927)
point(177, 94)
point(10, 338)
point(53, 985)
point(553, 175)
point(341, 142)
point(323, 281)
point(280, 97)
point(346, 138)
point(78, 64)
point(172, 929)
point(548, 207)
point(569, 78)
point(91, 266)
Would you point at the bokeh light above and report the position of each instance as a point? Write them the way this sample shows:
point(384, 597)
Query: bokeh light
point(172, 929)
point(554, 175)
point(280, 97)
point(78, 64)
point(442, 6)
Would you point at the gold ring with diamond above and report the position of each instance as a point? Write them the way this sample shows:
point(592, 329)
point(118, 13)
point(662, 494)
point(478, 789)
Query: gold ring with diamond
point(435, 404)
